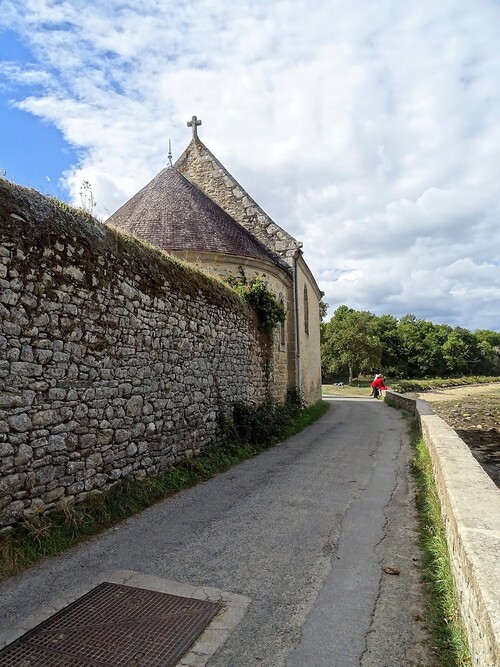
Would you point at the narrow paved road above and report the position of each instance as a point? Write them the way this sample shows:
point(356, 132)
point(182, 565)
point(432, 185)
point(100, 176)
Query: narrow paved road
point(304, 530)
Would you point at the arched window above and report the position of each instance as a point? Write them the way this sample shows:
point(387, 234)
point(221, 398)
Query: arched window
point(306, 311)
point(282, 331)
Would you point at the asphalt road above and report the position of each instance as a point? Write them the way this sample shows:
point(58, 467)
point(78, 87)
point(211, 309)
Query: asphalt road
point(305, 530)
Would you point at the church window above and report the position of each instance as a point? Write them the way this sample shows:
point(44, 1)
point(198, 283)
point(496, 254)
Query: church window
point(306, 311)
point(282, 331)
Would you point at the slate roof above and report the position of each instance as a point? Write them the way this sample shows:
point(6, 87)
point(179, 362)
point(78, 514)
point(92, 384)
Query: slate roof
point(171, 213)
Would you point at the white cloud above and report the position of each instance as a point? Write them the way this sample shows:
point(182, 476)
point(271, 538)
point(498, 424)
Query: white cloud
point(369, 130)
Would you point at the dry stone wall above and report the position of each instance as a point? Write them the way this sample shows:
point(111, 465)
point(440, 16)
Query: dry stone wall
point(115, 360)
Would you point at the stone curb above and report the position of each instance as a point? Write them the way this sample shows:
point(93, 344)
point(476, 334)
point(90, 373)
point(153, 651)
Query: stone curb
point(211, 639)
point(470, 504)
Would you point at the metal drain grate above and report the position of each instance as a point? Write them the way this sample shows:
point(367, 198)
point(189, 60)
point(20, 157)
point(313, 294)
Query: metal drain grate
point(114, 626)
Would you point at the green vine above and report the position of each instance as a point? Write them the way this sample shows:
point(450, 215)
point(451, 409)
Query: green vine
point(255, 291)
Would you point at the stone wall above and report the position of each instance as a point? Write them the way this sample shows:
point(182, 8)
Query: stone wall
point(115, 359)
point(280, 284)
point(309, 335)
point(470, 506)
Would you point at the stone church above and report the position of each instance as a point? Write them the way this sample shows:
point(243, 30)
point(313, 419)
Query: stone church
point(197, 211)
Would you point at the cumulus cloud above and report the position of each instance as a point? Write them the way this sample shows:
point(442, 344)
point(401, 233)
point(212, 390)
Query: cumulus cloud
point(368, 130)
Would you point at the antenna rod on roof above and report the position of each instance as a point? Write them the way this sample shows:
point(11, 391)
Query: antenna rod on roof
point(169, 156)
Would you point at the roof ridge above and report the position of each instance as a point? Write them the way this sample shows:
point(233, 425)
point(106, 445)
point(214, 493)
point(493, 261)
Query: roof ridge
point(196, 141)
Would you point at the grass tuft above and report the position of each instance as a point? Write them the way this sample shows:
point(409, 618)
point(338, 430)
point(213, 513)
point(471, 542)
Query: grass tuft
point(444, 617)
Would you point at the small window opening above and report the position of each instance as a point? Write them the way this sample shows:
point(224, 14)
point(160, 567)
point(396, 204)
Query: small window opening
point(306, 311)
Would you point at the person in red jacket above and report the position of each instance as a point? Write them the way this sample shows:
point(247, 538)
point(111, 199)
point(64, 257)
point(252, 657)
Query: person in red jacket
point(378, 385)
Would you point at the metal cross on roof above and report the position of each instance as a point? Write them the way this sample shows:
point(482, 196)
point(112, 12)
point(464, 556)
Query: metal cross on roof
point(193, 123)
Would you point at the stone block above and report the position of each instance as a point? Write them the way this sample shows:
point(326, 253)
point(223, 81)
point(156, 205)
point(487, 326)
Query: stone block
point(57, 443)
point(44, 475)
point(87, 440)
point(8, 297)
point(131, 449)
point(134, 405)
point(26, 369)
point(20, 423)
point(122, 435)
point(74, 466)
point(17, 439)
point(104, 437)
point(24, 455)
point(10, 400)
point(75, 488)
point(6, 449)
point(53, 495)
point(45, 418)
point(12, 513)
point(94, 460)
point(9, 484)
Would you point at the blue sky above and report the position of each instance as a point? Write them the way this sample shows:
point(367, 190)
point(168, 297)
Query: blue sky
point(369, 129)
point(33, 152)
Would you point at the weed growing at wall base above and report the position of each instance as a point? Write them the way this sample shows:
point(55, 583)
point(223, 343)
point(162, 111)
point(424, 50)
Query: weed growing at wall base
point(264, 424)
point(53, 533)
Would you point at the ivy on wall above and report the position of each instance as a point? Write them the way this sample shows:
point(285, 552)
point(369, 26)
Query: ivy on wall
point(255, 291)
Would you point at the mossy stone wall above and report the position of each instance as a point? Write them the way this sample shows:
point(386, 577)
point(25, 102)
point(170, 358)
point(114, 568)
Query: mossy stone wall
point(115, 359)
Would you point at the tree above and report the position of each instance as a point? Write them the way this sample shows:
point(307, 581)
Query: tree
point(490, 359)
point(387, 333)
point(421, 352)
point(323, 310)
point(461, 351)
point(350, 342)
point(491, 337)
point(488, 345)
point(407, 347)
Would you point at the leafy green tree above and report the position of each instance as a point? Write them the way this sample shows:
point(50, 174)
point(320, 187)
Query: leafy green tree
point(421, 352)
point(491, 337)
point(408, 347)
point(488, 345)
point(323, 310)
point(350, 342)
point(461, 352)
point(490, 359)
point(387, 333)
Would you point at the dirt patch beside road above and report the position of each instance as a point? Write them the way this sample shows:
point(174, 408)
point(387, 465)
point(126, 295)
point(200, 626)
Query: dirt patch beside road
point(474, 413)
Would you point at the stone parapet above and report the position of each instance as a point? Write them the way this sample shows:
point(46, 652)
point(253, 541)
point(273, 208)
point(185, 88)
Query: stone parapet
point(470, 504)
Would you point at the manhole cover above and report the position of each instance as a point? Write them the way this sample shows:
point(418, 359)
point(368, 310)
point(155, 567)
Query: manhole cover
point(114, 626)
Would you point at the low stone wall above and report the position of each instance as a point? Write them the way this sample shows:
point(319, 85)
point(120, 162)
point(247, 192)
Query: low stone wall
point(115, 360)
point(470, 503)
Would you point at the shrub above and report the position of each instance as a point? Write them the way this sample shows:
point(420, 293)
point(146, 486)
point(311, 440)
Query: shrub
point(403, 386)
point(266, 423)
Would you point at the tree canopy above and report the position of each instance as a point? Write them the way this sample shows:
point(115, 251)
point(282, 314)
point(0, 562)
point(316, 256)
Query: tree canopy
point(354, 342)
point(350, 340)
